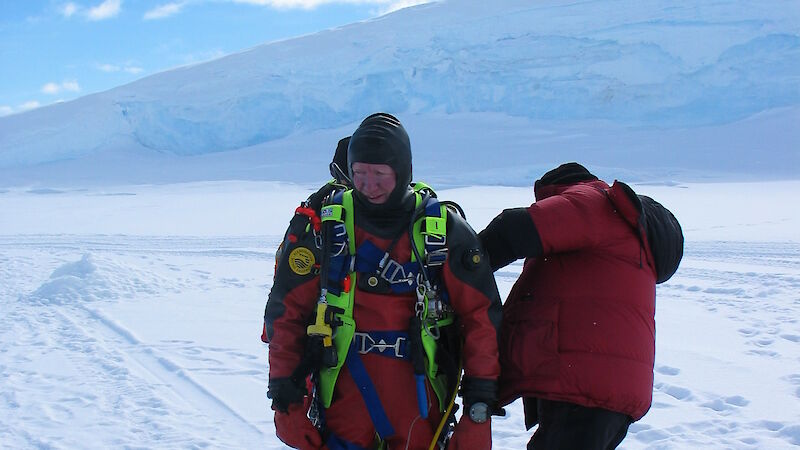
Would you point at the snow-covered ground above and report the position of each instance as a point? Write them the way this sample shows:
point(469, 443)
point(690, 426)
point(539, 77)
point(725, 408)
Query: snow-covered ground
point(132, 315)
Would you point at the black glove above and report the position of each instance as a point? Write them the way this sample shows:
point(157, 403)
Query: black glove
point(284, 392)
point(481, 390)
point(510, 236)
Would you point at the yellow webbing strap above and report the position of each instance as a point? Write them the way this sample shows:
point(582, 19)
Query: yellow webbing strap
point(449, 409)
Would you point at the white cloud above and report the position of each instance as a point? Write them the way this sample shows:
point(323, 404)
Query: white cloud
point(33, 104)
point(108, 68)
point(163, 11)
point(69, 9)
point(71, 86)
point(50, 88)
point(129, 68)
point(105, 10)
point(5, 110)
point(55, 88)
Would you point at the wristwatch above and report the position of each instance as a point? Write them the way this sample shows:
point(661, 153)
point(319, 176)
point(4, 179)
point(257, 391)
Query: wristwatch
point(479, 412)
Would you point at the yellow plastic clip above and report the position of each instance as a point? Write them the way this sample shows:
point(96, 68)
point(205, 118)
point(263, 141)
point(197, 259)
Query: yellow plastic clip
point(320, 327)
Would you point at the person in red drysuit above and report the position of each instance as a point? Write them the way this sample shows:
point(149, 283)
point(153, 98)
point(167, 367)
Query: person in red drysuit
point(383, 205)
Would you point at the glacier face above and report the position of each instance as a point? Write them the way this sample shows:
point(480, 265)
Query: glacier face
point(633, 65)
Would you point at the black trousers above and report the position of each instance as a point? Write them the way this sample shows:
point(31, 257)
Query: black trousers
point(567, 426)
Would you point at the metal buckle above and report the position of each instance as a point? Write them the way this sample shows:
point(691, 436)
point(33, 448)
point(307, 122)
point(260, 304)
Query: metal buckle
point(318, 240)
point(431, 239)
point(339, 230)
point(394, 268)
point(339, 248)
point(367, 344)
point(436, 257)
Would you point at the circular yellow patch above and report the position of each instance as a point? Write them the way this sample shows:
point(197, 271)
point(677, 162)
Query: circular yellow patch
point(476, 259)
point(301, 261)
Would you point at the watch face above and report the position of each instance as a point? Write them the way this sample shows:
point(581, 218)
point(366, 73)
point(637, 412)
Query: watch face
point(479, 412)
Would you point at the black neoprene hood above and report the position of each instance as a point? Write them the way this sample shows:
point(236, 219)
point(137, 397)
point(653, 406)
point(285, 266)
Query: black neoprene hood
point(381, 139)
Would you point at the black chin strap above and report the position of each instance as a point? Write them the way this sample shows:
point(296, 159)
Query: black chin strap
point(339, 174)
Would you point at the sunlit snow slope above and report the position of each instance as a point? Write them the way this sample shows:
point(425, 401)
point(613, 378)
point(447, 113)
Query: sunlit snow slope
point(664, 89)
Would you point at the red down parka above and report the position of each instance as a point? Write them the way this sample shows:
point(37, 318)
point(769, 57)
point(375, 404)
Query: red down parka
point(579, 324)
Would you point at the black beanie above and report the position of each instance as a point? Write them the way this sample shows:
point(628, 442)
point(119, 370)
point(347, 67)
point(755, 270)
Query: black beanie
point(568, 173)
point(381, 139)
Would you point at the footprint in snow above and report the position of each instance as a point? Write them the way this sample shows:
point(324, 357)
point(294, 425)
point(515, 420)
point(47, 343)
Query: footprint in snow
point(748, 332)
point(764, 342)
point(770, 425)
point(726, 404)
point(667, 370)
point(725, 291)
point(767, 353)
point(232, 282)
point(676, 392)
point(651, 436)
point(737, 400)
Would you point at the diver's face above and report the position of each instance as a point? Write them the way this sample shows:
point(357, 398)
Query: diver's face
point(374, 181)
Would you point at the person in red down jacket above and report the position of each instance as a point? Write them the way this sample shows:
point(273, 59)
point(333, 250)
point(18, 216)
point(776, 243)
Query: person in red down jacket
point(578, 336)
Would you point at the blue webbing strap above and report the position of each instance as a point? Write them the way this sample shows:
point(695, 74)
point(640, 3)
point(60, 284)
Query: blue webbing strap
point(369, 394)
point(432, 208)
point(336, 443)
point(368, 256)
point(339, 267)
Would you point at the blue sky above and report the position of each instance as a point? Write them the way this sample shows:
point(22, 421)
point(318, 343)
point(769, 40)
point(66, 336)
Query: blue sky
point(53, 50)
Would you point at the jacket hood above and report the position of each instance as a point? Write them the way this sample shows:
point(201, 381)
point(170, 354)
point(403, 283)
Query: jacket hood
point(543, 191)
point(564, 175)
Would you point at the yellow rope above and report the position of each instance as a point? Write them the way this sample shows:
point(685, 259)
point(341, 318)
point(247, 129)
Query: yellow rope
point(449, 408)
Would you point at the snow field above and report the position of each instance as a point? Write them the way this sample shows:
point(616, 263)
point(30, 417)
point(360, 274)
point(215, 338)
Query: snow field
point(152, 340)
